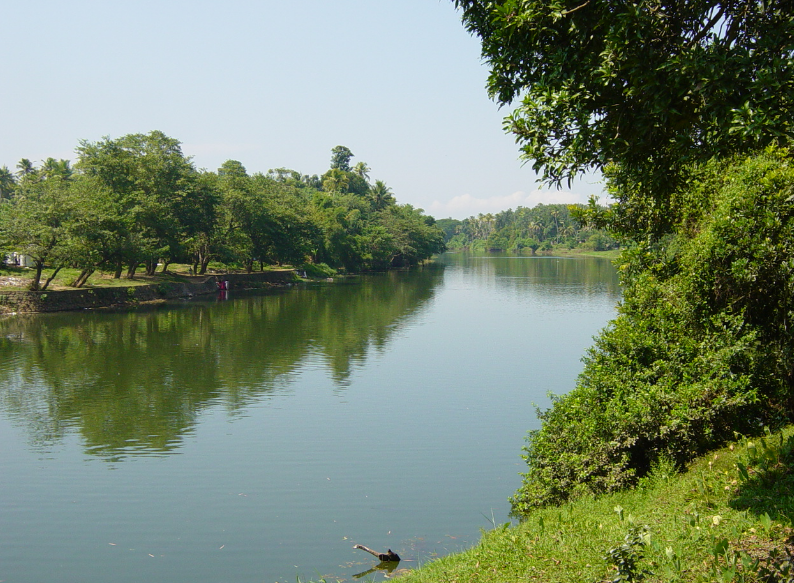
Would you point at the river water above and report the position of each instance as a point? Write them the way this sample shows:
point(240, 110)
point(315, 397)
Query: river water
point(257, 437)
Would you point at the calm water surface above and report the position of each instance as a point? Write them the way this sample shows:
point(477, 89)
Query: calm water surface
point(258, 438)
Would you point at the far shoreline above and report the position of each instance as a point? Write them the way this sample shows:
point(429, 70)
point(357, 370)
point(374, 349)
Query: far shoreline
point(104, 291)
point(556, 252)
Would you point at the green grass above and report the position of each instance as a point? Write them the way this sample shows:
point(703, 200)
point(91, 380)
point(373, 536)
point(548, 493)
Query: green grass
point(99, 279)
point(176, 273)
point(717, 521)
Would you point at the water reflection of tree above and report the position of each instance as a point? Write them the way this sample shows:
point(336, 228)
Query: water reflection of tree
point(136, 381)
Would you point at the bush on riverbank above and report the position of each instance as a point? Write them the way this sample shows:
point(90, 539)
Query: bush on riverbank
point(316, 270)
point(727, 518)
point(701, 347)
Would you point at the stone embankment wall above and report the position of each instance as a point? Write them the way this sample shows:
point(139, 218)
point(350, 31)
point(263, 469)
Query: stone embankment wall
point(79, 299)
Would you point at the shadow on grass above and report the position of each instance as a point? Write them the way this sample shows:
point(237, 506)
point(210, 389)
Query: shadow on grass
point(766, 478)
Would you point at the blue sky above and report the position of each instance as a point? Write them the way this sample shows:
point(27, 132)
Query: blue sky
point(271, 84)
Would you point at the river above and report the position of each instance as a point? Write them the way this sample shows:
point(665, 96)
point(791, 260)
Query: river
point(257, 437)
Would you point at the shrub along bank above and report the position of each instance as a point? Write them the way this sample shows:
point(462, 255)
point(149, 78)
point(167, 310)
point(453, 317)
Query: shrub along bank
point(727, 518)
point(702, 345)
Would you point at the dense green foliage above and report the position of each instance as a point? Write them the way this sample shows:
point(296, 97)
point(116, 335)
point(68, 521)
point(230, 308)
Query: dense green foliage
point(138, 200)
point(524, 228)
point(702, 345)
point(650, 86)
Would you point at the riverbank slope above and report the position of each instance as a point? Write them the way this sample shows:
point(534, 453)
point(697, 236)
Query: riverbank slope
point(728, 517)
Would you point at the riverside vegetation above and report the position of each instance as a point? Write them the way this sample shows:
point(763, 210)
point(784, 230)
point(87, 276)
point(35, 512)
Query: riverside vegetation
point(727, 518)
point(139, 201)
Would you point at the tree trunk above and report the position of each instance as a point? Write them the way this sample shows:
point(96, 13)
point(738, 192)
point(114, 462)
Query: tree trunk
point(119, 267)
point(201, 260)
point(249, 265)
point(165, 266)
point(34, 284)
point(133, 267)
point(82, 278)
point(50, 278)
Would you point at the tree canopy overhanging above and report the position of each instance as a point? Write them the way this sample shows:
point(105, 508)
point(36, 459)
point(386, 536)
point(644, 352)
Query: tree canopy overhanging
point(649, 86)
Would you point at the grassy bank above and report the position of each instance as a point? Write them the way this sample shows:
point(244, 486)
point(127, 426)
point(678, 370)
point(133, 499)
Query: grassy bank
point(106, 291)
point(720, 520)
point(19, 278)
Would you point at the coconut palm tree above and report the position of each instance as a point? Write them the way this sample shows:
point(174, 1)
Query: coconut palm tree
point(380, 195)
point(53, 167)
point(362, 170)
point(335, 181)
point(555, 214)
point(533, 228)
point(25, 167)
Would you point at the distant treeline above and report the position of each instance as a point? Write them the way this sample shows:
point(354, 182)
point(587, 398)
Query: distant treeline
point(139, 201)
point(540, 227)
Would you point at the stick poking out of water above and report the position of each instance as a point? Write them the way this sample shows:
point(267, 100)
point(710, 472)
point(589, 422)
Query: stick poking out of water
point(389, 556)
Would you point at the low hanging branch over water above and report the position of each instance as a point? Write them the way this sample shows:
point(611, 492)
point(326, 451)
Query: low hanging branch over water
point(389, 556)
